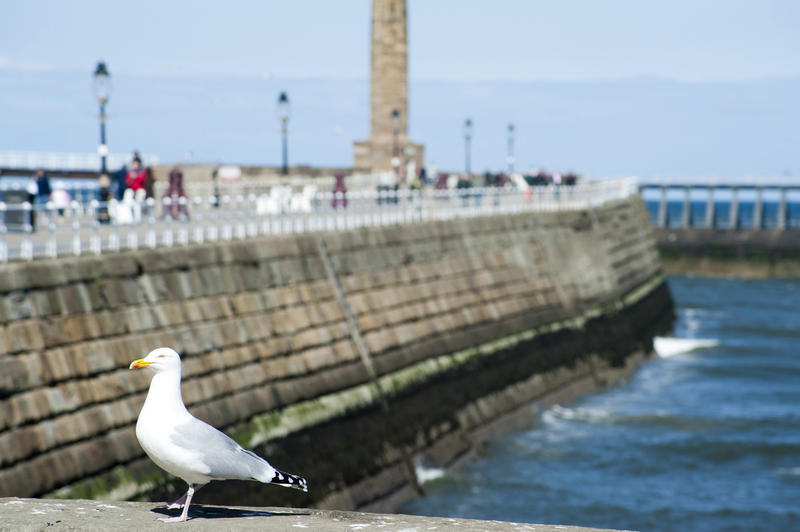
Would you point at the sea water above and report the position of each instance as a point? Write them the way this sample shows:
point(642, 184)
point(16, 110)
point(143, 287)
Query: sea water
point(707, 439)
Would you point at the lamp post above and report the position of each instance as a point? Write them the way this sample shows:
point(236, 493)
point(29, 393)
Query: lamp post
point(395, 142)
point(102, 89)
point(283, 116)
point(467, 146)
point(510, 159)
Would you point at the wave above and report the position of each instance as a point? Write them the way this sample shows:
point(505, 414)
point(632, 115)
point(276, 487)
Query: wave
point(789, 471)
point(592, 415)
point(667, 347)
point(670, 420)
point(427, 474)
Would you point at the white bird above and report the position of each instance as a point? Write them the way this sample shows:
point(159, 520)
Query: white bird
point(190, 448)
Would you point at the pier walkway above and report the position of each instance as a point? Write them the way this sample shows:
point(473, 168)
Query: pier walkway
point(30, 231)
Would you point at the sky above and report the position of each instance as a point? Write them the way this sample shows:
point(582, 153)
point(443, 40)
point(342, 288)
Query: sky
point(208, 68)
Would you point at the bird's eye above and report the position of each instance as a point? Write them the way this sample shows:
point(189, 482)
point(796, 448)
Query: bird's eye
point(162, 356)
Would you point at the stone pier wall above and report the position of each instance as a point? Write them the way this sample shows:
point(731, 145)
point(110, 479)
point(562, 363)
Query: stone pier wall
point(346, 357)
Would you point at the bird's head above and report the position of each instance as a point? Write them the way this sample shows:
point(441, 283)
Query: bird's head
point(161, 359)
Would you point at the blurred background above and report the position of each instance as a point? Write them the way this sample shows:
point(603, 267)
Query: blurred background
point(654, 89)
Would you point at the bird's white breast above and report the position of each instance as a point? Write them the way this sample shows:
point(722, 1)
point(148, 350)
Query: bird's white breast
point(155, 430)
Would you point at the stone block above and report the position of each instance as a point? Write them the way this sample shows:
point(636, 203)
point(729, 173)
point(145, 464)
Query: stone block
point(76, 297)
point(81, 269)
point(380, 340)
point(45, 303)
point(53, 365)
point(198, 256)
point(210, 278)
point(179, 285)
point(247, 302)
point(17, 374)
point(276, 368)
point(288, 392)
point(95, 357)
point(231, 332)
point(75, 328)
point(52, 332)
point(147, 289)
point(124, 444)
point(124, 264)
point(44, 273)
point(275, 346)
point(152, 260)
point(75, 359)
point(282, 322)
point(345, 351)
point(23, 407)
point(296, 365)
point(360, 303)
point(13, 276)
point(319, 357)
point(190, 312)
point(24, 336)
point(3, 343)
point(216, 308)
point(284, 296)
point(16, 306)
point(19, 444)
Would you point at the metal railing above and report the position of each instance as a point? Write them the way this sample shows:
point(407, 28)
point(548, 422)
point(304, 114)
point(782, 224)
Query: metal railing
point(718, 206)
point(65, 161)
point(29, 231)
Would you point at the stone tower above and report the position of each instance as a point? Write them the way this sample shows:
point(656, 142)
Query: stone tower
point(388, 136)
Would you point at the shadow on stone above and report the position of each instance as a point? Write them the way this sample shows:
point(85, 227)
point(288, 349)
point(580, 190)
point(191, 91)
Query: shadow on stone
point(218, 512)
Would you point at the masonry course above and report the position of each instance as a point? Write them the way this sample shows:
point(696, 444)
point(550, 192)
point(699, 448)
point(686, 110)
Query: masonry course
point(269, 355)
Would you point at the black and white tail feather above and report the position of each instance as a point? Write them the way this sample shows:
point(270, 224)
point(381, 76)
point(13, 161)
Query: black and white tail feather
point(289, 481)
point(270, 475)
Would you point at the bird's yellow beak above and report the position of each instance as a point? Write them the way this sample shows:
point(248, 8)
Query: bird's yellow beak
point(139, 363)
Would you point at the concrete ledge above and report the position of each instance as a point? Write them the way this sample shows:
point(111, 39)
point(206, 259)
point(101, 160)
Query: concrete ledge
point(726, 253)
point(24, 515)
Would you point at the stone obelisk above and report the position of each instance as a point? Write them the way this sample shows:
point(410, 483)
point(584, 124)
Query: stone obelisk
point(388, 146)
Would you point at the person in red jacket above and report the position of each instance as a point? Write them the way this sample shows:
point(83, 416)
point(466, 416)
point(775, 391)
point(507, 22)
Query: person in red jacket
point(136, 176)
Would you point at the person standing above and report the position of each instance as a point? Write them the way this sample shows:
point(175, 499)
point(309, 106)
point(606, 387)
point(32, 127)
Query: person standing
point(149, 183)
point(43, 188)
point(136, 177)
point(175, 193)
point(104, 196)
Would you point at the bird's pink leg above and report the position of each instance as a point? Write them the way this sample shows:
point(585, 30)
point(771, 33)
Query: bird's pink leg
point(186, 501)
point(177, 503)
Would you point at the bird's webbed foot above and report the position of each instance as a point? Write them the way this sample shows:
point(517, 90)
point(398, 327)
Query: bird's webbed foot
point(177, 519)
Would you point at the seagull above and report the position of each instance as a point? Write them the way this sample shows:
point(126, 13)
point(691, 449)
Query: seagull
point(190, 448)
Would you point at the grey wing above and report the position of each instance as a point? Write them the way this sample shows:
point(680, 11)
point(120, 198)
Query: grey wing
point(224, 457)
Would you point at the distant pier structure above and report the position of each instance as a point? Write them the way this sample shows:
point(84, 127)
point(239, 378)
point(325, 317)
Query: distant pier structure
point(388, 146)
point(723, 206)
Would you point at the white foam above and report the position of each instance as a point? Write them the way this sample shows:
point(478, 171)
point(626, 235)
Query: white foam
point(667, 347)
point(580, 414)
point(426, 474)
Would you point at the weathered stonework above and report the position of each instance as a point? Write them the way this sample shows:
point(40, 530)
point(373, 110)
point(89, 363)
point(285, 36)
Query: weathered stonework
point(507, 307)
point(388, 91)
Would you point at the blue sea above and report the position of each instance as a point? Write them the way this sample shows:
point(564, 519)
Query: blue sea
point(702, 440)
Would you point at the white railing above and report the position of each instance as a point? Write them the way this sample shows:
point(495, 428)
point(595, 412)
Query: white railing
point(66, 161)
point(30, 231)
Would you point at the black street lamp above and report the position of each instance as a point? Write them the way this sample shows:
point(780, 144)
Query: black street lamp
point(510, 158)
point(395, 142)
point(468, 146)
point(283, 115)
point(102, 89)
